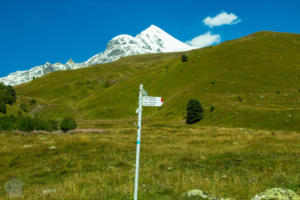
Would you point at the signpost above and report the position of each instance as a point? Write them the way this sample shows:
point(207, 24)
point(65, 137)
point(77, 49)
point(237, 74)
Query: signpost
point(144, 100)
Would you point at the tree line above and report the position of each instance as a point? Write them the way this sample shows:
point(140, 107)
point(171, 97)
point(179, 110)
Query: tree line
point(28, 124)
point(25, 122)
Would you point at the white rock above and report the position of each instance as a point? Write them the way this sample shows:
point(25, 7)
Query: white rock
point(52, 147)
point(277, 194)
point(43, 138)
point(49, 191)
point(200, 194)
point(26, 146)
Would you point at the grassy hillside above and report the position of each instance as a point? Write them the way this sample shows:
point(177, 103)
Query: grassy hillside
point(252, 82)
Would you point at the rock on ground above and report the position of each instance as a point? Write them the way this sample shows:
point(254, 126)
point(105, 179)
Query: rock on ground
point(277, 194)
point(200, 195)
point(49, 191)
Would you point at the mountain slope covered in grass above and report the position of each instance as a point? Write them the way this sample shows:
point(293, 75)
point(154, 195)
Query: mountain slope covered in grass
point(252, 82)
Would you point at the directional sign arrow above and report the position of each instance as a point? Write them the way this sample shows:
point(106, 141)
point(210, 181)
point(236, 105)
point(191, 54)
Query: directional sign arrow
point(152, 101)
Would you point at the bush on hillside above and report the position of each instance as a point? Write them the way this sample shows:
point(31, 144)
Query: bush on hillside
point(19, 112)
point(194, 111)
point(8, 123)
point(40, 124)
point(212, 108)
point(240, 99)
point(2, 107)
point(68, 124)
point(44, 125)
point(23, 107)
point(52, 125)
point(184, 58)
point(26, 124)
point(32, 101)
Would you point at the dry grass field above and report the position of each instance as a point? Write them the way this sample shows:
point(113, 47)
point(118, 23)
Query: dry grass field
point(225, 162)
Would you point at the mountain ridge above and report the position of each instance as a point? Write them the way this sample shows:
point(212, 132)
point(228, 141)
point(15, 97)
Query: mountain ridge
point(151, 40)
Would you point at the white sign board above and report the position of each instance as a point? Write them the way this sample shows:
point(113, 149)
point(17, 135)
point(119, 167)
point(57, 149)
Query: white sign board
point(152, 101)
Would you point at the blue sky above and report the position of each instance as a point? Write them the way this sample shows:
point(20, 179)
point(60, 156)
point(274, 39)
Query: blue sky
point(35, 31)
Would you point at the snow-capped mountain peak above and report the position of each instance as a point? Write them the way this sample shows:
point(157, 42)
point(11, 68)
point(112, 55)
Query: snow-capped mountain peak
point(151, 40)
point(164, 42)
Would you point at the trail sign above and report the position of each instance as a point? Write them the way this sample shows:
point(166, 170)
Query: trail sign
point(144, 100)
point(152, 101)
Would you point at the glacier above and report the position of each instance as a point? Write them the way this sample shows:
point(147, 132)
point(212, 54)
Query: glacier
point(151, 40)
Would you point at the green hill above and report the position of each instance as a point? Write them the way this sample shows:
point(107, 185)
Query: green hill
point(252, 82)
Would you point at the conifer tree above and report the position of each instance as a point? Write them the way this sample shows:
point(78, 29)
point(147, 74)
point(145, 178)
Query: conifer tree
point(194, 111)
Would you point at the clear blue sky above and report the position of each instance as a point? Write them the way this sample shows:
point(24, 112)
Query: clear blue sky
point(35, 31)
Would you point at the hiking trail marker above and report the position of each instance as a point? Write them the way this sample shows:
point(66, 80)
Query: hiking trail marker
point(144, 100)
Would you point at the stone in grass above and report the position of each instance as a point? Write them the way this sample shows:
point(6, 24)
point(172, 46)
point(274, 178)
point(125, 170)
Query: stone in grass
point(200, 195)
point(49, 191)
point(277, 194)
point(52, 147)
point(43, 138)
point(26, 146)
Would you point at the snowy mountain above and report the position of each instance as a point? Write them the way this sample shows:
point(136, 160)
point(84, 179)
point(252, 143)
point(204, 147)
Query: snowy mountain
point(151, 40)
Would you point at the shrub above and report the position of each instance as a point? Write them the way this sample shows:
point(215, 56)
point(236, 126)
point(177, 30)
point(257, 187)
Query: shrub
point(240, 98)
point(194, 111)
point(68, 124)
point(8, 123)
point(44, 125)
point(184, 58)
point(19, 112)
point(2, 107)
point(106, 84)
point(166, 68)
point(23, 107)
point(40, 124)
point(109, 83)
point(52, 125)
point(32, 101)
point(26, 124)
point(212, 108)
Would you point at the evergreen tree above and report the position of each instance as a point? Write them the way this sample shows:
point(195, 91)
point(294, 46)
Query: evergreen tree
point(11, 96)
point(194, 111)
point(184, 58)
point(7, 94)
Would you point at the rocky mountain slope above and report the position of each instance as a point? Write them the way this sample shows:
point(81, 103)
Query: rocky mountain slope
point(151, 40)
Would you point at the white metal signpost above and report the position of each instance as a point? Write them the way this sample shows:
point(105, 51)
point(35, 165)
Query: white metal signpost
point(144, 100)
